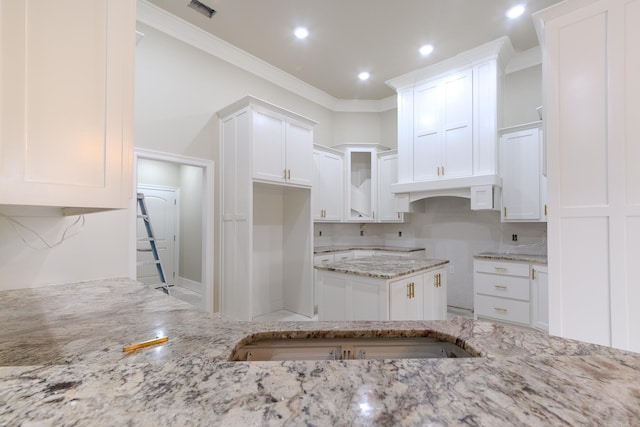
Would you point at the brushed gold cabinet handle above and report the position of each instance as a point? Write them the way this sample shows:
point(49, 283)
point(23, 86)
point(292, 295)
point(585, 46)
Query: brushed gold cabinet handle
point(500, 268)
point(505, 211)
point(500, 310)
point(289, 174)
point(408, 290)
point(284, 174)
point(413, 290)
point(545, 210)
point(438, 170)
point(500, 286)
point(533, 274)
point(442, 170)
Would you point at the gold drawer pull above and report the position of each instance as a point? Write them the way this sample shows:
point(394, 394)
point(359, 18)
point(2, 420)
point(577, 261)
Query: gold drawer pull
point(500, 286)
point(501, 310)
point(500, 268)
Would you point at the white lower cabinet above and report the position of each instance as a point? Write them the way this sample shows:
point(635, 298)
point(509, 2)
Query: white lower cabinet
point(419, 296)
point(540, 297)
point(507, 291)
point(406, 299)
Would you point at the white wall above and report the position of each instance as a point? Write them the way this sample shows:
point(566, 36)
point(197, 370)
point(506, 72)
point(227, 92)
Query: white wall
point(95, 250)
point(191, 223)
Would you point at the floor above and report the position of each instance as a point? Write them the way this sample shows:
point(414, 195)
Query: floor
point(187, 295)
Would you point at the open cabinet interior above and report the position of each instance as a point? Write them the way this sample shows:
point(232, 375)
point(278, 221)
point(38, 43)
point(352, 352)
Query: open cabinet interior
point(282, 250)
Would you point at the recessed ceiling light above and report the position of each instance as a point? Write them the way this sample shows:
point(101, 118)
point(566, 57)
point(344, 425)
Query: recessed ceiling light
point(515, 11)
point(426, 49)
point(301, 32)
point(364, 75)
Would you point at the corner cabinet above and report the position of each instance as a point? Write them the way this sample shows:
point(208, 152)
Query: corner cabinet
point(66, 118)
point(267, 229)
point(328, 184)
point(524, 189)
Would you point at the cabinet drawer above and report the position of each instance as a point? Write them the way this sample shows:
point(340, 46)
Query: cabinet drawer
point(500, 285)
point(323, 259)
point(343, 256)
point(502, 309)
point(498, 267)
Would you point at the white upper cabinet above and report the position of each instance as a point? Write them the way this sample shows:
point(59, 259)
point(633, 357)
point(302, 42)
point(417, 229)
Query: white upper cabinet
point(443, 128)
point(66, 117)
point(362, 175)
point(523, 186)
point(328, 185)
point(448, 118)
point(387, 175)
point(282, 148)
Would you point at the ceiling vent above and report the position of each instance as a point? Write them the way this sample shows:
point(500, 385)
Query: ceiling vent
point(202, 8)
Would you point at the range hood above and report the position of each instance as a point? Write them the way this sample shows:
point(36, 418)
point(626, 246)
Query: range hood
point(483, 191)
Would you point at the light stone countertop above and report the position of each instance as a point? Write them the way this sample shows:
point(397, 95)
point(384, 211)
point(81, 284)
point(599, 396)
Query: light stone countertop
point(531, 259)
point(382, 267)
point(62, 364)
point(342, 248)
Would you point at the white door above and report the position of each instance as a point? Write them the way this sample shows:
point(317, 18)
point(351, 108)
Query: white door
point(162, 210)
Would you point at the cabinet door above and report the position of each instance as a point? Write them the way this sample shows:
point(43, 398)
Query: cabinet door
point(387, 175)
point(540, 297)
point(457, 129)
point(427, 131)
point(361, 177)
point(268, 146)
point(316, 189)
point(67, 102)
point(405, 299)
point(299, 154)
point(328, 190)
point(521, 175)
point(435, 295)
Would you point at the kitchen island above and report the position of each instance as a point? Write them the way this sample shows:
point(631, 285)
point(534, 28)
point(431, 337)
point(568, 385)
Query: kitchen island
point(62, 364)
point(382, 288)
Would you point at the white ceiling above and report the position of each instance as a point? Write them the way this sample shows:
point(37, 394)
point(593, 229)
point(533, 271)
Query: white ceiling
point(350, 36)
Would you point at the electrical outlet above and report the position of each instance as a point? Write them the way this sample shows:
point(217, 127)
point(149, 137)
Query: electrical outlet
point(452, 269)
point(399, 233)
point(514, 237)
point(362, 232)
point(320, 233)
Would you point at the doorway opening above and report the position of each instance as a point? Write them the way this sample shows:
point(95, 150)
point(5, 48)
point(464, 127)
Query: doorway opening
point(179, 197)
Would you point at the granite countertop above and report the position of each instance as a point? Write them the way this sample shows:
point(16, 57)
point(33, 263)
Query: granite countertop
point(61, 363)
point(341, 248)
point(382, 267)
point(532, 259)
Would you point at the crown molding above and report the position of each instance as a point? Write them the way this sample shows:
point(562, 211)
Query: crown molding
point(158, 18)
point(524, 59)
point(500, 49)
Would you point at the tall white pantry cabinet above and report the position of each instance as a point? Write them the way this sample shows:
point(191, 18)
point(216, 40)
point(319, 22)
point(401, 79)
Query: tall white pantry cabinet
point(267, 228)
point(591, 64)
point(66, 115)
